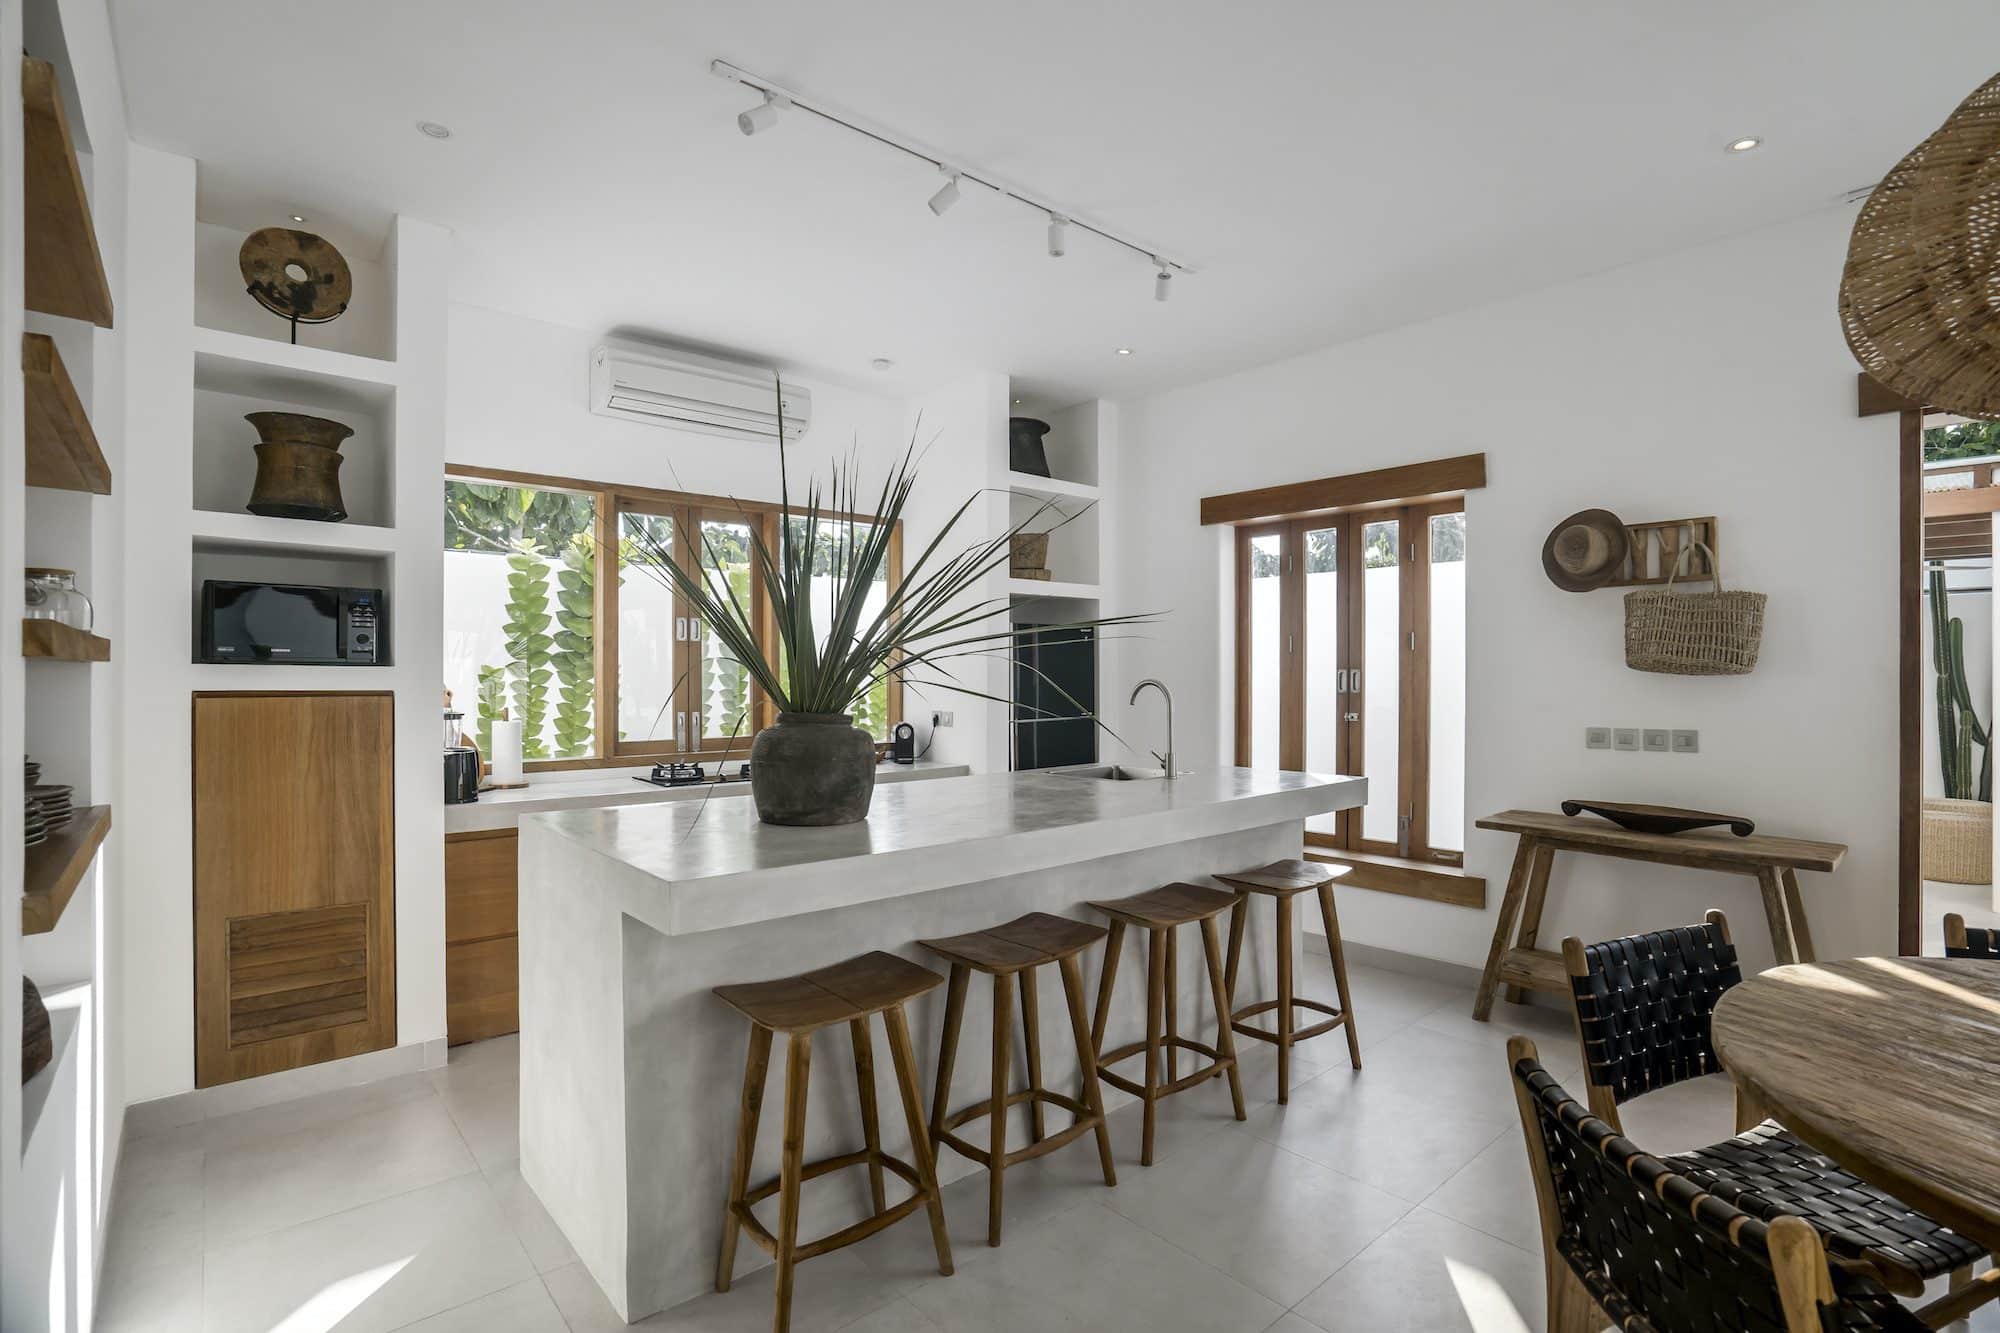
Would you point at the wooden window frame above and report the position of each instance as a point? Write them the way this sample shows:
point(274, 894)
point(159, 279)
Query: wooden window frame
point(1412, 683)
point(687, 510)
point(1412, 495)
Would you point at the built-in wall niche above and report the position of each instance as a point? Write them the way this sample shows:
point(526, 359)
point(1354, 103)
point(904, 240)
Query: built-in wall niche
point(366, 328)
point(225, 454)
point(252, 560)
point(1072, 525)
point(1071, 444)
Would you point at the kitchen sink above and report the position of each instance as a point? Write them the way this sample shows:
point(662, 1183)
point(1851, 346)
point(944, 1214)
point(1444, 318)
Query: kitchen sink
point(1112, 773)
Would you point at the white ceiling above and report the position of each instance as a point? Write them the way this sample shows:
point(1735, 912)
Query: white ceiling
point(1331, 169)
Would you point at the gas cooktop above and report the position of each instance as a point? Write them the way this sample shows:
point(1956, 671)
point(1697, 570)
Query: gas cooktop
point(694, 775)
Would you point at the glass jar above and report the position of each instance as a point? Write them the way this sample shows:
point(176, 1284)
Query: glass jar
point(52, 594)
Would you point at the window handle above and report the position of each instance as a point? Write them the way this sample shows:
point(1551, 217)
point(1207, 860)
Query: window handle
point(1340, 681)
point(694, 728)
point(680, 630)
point(680, 731)
point(1354, 680)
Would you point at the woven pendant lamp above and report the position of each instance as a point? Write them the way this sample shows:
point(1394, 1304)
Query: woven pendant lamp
point(1920, 296)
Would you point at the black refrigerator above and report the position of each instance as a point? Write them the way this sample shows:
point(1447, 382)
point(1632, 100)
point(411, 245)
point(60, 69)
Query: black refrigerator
point(1055, 696)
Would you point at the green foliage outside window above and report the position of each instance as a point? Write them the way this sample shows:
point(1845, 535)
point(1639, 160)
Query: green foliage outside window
point(549, 627)
point(1966, 439)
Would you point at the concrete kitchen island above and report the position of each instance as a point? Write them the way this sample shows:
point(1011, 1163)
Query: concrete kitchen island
point(631, 1070)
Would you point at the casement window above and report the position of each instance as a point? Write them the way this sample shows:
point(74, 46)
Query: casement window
point(1350, 657)
point(532, 626)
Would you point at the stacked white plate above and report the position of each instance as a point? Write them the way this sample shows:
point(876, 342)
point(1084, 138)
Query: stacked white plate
point(54, 801)
point(32, 770)
point(34, 825)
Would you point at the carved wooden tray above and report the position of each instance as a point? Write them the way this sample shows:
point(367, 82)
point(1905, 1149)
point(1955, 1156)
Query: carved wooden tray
point(1659, 818)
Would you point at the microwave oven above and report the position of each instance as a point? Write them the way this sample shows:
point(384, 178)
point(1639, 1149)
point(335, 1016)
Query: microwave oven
point(302, 624)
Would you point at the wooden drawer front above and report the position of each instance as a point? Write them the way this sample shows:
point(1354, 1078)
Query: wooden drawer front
point(294, 972)
point(481, 893)
point(482, 989)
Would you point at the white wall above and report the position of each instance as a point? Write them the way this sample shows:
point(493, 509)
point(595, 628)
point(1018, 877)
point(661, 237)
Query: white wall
point(1714, 381)
point(517, 397)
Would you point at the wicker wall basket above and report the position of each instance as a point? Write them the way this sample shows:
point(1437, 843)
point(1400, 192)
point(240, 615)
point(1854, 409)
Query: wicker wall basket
point(1958, 841)
point(1693, 633)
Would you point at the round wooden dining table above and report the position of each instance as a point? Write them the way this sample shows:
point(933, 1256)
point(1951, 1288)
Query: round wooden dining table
point(1890, 1066)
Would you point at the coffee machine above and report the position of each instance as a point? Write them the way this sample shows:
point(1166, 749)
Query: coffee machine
point(461, 763)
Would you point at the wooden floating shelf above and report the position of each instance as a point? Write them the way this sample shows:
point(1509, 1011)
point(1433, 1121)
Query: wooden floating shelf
point(62, 643)
point(65, 270)
point(52, 870)
point(62, 448)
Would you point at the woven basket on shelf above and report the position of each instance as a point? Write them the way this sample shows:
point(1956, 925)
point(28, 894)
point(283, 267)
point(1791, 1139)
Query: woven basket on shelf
point(1920, 295)
point(1958, 841)
point(1693, 633)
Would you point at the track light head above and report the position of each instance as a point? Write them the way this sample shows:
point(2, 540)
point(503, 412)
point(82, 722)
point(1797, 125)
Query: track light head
point(1163, 281)
point(947, 194)
point(763, 116)
point(1058, 235)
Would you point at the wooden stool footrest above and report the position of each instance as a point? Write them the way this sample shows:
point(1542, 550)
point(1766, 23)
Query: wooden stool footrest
point(1040, 1147)
point(1336, 1018)
point(1218, 1065)
point(861, 1230)
point(979, 1110)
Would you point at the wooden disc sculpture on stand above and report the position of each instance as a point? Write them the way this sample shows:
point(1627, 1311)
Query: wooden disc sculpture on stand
point(1920, 296)
point(298, 467)
point(295, 275)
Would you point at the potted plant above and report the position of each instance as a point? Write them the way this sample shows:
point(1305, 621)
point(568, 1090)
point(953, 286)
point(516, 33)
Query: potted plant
point(1957, 827)
point(814, 767)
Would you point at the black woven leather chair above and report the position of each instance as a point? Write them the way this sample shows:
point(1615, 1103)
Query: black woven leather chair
point(1644, 1006)
point(1962, 941)
point(1630, 1240)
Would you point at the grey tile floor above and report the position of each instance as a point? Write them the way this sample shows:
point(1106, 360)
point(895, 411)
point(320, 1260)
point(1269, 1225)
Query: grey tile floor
point(1394, 1198)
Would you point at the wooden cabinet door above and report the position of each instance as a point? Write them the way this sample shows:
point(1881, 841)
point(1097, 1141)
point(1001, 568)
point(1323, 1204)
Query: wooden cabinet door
point(294, 880)
point(481, 962)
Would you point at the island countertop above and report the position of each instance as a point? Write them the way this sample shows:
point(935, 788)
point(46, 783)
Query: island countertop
point(712, 865)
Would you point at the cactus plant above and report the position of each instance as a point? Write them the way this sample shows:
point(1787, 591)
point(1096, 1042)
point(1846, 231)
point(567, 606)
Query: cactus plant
point(1959, 728)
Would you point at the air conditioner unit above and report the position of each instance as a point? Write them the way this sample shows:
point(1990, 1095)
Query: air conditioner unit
point(688, 391)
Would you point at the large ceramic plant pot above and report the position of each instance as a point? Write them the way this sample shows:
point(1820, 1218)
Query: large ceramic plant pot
point(812, 769)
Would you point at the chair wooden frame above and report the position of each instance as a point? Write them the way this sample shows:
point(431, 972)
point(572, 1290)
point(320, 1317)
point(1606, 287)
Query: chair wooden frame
point(1799, 1263)
point(1282, 888)
point(1087, 1109)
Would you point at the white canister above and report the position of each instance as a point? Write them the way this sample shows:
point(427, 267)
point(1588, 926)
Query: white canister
point(505, 761)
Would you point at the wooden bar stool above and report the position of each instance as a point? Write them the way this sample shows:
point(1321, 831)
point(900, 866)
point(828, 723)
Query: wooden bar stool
point(799, 1006)
point(1283, 881)
point(1003, 953)
point(1158, 912)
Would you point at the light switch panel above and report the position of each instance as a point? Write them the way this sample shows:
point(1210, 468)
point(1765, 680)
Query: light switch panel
point(1597, 738)
point(1687, 742)
point(1655, 740)
point(1624, 738)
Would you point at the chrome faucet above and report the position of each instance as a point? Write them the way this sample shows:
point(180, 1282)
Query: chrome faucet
point(1167, 759)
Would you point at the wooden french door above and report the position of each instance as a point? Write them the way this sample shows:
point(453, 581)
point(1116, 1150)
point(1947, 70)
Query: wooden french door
point(1333, 653)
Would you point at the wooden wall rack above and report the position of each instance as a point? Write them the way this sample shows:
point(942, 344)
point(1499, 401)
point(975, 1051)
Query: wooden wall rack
point(1657, 546)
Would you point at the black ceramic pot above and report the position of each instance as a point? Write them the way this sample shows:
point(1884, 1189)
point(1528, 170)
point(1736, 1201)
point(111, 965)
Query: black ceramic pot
point(811, 769)
point(1024, 446)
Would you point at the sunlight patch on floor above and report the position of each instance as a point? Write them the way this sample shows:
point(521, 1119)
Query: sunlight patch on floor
point(1488, 1307)
point(325, 1309)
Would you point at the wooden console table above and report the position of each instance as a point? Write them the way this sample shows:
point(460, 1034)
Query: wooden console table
point(1773, 862)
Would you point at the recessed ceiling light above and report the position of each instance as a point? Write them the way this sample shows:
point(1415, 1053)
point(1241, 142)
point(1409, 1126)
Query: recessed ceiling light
point(298, 217)
point(1744, 144)
point(1124, 351)
point(434, 130)
point(882, 363)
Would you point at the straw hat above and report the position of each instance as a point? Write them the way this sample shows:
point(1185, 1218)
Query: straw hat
point(1920, 296)
point(1585, 550)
